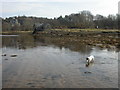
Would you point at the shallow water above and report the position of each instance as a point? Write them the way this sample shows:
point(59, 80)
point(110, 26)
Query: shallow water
point(8, 35)
point(52, 62)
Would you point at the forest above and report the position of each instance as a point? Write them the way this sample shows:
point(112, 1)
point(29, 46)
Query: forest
point(81, 20)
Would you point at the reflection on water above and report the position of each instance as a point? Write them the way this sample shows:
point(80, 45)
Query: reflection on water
point(53, 62)
point(29, 41)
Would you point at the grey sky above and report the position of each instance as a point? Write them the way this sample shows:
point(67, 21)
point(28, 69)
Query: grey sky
point(55, 8)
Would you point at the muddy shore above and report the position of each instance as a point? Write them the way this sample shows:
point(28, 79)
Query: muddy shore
point(102, 39)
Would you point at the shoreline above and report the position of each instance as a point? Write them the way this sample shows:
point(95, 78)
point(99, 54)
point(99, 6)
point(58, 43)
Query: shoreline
point(102, 39)
point(68, 30)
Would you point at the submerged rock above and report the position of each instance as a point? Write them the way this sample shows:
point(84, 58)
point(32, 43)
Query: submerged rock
point(87, 72)
point(6, 59)
point(4, 55)
point(13, 55)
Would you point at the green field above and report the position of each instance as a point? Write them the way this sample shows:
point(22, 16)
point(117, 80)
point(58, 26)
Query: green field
point(67, 30)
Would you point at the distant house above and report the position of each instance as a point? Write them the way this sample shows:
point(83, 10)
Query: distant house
point(14, 21)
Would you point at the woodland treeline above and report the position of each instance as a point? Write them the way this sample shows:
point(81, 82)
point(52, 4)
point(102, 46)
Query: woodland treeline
point(81, 20)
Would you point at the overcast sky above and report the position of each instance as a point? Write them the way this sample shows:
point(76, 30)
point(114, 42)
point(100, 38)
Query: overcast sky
point(55, 8)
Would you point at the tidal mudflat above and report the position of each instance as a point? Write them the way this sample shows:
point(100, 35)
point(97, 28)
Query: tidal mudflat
point(56, 62)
